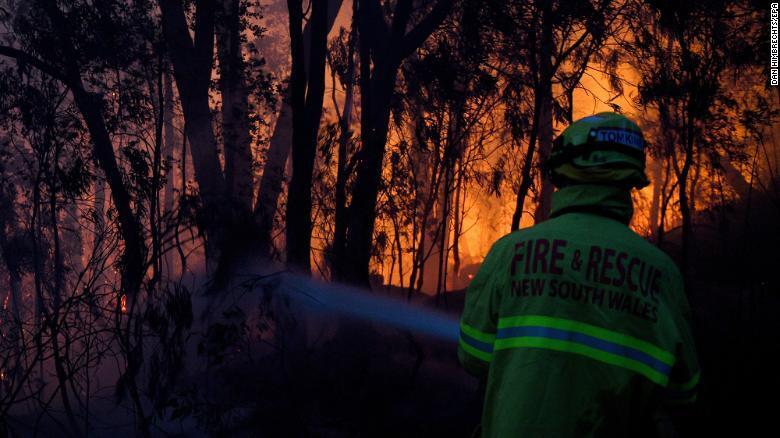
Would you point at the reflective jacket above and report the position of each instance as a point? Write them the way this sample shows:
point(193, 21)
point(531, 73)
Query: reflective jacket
point(579, 325)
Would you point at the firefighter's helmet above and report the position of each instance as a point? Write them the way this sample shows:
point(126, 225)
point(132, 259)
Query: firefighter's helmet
point(605, 148)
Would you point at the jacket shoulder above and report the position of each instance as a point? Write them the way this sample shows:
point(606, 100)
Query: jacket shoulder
point(656, 254)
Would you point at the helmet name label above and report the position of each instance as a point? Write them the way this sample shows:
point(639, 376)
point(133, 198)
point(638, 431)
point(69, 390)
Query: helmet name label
point(623, 137)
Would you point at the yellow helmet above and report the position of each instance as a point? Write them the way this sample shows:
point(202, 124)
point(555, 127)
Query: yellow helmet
point(605, 148)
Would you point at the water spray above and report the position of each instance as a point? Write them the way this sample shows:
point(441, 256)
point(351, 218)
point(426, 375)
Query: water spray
point(354, 302)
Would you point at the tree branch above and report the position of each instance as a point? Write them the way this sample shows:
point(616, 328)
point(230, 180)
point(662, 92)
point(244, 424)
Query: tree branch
point(24, 57)
point(180, 45)
point(417, 36)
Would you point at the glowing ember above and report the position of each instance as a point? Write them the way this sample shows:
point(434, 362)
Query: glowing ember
point(123, 303)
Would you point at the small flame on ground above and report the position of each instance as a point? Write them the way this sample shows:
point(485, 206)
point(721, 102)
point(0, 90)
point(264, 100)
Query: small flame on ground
point(123, 303)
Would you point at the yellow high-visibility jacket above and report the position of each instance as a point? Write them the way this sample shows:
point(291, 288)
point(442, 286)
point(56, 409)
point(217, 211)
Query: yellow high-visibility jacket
point(579, 325)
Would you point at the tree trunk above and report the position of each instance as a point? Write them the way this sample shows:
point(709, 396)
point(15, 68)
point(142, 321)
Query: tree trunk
point(693, 187)
point(169, 142)
point(12, 258)
point(384, 48)
point(235, 108)
point(192, 64)
point(278, 151)
point(345, 136)
point(443, 259)
point(103, 150)
point(525, 175)
point(307, 96)
point(99, 192)
point(544, 89)
point(362, 210)
point(655, 204)
point(425, 182)
point(155, 211)
point(170, 153)
point(683, 195)
point(457, 229)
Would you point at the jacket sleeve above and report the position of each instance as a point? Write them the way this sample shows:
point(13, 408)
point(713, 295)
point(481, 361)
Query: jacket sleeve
point(480, 315)
point(685, 374)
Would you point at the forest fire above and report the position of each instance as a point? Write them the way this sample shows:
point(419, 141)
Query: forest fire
point(201, 200)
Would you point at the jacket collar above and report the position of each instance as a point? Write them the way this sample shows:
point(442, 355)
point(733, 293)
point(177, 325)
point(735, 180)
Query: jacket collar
point(609, 201)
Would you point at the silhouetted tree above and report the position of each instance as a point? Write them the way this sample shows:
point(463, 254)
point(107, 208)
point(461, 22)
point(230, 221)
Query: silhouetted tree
point(307, 93)
point(382, 48)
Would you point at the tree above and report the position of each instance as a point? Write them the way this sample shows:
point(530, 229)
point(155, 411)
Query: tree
point(279, 148)
point(682, 66)
point(57, 57)
point(307, 87)
point(382, 48)
point(235, 106)
point(192, 65)
point(561, 39)
point(226, 216)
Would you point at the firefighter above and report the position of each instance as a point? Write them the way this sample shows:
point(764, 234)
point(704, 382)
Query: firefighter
point(578, 326)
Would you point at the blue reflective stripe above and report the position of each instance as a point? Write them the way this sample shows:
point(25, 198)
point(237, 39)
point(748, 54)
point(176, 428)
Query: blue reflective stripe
point(479, 345)
point(590, 341)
